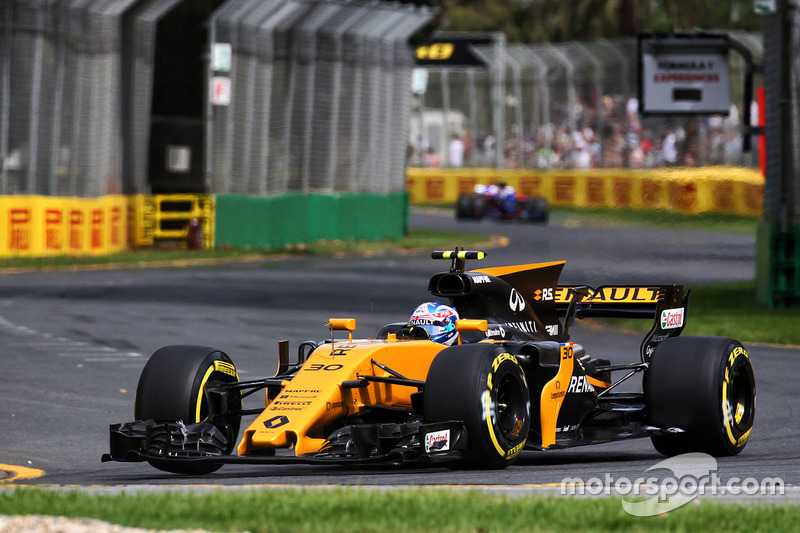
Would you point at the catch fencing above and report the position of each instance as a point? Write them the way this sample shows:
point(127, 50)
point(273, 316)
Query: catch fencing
point(315, 97)
point(567, 105)
point(318, 100)
point(59, 110)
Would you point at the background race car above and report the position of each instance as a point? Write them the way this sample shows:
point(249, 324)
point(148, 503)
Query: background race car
point(503, 202)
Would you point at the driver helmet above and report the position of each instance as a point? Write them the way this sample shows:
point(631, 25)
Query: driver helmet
point(438, 319)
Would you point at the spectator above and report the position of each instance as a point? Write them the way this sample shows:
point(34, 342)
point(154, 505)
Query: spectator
point(455, 151)
point(432, 159)
point(669, 148)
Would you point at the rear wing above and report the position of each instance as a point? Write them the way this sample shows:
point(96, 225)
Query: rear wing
point(666, 305)
point(616, 301)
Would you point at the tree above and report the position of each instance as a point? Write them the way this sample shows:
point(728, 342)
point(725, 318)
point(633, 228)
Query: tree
point(562, 20)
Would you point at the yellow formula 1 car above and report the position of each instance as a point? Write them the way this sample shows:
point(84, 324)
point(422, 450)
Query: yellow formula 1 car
point(512, 381)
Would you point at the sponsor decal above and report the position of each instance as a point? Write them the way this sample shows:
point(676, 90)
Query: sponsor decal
point(737, 352)
point(579, 384)
point(515, 451)
point(76, 224)
point(225, 368)
point(333, 405)
point(437, 441)
point(743, 439)
point(552, 329)
point(499, 359)
point(481, 279)
point(672, 318)
point(52, 234)
point(515, 301)
point(285, 402)
point(545, 294)
point(19, 229)
point(499, 332)
point(625, 295)
point(276, 422)
point(528, 326)
point(98, 219)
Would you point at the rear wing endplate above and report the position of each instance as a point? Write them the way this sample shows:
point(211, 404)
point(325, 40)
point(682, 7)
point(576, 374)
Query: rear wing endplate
point(666, 305)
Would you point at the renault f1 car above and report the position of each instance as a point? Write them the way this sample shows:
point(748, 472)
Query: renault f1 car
point(514, 380)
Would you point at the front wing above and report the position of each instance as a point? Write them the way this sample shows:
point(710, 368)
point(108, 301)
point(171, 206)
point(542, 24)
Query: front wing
point(393, 443)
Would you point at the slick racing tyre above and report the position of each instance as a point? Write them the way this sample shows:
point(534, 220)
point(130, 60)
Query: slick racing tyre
point(537, 210)
point(484, 388)
point(172, 388)
point(469, 207)
point(705, 386)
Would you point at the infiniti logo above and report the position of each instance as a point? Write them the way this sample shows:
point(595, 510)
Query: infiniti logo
point(516, 302)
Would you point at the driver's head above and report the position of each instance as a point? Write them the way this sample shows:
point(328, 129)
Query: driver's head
point(438, 319)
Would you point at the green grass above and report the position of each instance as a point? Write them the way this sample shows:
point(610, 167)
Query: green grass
point(656, 219)
point(729, 310)
point(412, 509)
point(415, 240)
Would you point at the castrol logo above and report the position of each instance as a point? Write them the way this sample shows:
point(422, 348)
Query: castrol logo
point(672, 318)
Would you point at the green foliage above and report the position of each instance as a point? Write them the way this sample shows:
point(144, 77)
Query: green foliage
point(530, 21)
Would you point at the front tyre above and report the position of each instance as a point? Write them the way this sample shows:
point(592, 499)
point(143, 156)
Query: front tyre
point(173, 386)
point(485, 388)
point(705, 386)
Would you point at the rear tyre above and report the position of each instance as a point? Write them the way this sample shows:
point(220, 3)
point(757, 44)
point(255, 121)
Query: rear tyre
point(537, 210)
point(705, 386)
point(172, 387)
point(485, 388)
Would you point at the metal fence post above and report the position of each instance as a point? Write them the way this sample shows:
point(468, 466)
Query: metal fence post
point(5, 93)
point(446, 118)
point(498, 97)
point(35, 103)
point(598, 89)
point(473, 113)
point(570, 68)
point(516, 83)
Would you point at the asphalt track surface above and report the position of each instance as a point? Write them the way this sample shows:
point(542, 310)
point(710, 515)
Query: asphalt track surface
point(72, 345)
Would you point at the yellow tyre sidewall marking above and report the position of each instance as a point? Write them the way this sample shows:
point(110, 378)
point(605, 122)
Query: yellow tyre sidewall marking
point(727, 415)
point(487, 408)
point(218, 366)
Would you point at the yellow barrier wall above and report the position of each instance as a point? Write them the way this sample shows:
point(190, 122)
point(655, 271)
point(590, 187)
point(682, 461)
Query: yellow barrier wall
point(737, 191)
point(44, 226)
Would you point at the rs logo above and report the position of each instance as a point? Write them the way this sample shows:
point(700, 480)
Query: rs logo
point(515, 301)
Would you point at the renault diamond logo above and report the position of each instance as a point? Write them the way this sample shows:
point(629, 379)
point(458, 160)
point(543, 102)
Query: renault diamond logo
point(516, 302)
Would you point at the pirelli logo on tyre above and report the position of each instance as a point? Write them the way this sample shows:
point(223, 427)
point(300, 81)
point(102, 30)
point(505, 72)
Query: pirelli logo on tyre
point(225, 368)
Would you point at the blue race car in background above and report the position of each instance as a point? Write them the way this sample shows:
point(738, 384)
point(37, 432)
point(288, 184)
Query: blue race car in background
point(502, 202)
